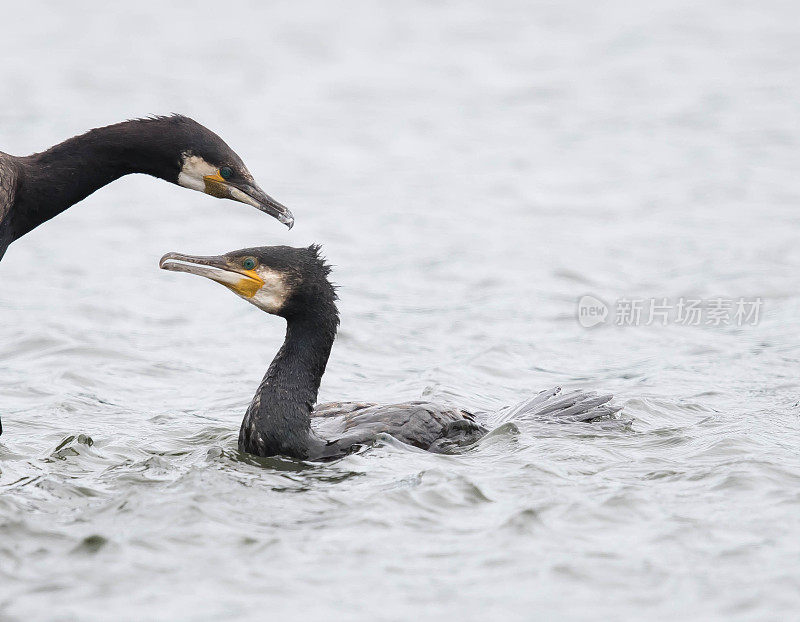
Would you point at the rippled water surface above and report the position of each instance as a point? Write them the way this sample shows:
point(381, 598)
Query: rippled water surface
point(471, 170)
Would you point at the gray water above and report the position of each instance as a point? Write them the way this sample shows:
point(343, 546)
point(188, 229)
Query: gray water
point(472, 170)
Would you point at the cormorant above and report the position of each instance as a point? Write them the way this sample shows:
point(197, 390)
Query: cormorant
point(282, 418)
point(35, 188)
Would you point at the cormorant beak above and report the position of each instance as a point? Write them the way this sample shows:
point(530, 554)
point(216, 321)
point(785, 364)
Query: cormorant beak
point(249, 193)
point(243, 282)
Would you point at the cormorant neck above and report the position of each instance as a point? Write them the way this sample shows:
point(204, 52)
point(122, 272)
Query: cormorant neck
point(67, 173)
point(278, 421)
point(300, 363)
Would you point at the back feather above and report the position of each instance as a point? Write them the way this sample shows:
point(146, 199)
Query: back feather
point(552, 405)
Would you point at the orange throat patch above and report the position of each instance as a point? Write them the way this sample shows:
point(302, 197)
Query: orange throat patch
point(248, 286)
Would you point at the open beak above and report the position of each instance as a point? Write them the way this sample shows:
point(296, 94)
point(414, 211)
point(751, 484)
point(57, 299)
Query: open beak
point(220, 269)
point(248, 193)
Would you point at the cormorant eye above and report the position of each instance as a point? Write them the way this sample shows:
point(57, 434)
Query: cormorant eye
point(225, 172)
point(249, 263)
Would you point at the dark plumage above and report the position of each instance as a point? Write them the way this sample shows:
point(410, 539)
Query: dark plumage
point(35, 188)
point(282, 418)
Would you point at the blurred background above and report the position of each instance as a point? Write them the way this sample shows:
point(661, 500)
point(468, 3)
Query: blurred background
point(471, 170)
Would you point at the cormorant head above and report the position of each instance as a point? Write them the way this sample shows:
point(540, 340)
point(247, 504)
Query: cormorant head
point(282, 280)
point(206, 163)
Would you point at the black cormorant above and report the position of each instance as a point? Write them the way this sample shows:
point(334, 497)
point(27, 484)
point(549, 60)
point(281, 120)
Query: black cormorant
point(35, 188)
point(283, 420)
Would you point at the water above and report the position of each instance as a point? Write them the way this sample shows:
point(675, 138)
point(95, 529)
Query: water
point(471, 172)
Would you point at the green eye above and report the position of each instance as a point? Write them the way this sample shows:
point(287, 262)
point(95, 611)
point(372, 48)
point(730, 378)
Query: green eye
point(249, 263)
point(225, 172)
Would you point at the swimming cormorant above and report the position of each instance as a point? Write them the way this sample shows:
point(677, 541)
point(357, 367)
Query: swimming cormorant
point(282, 418)
point(35, 188)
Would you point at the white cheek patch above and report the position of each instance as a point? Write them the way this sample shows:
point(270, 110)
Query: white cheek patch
point(193, 171)
point(273, 294)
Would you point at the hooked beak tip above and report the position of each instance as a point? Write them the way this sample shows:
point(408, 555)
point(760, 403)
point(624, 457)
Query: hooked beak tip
point(270, 206)
point(172, 261)
point(251, 194)
point(163, 261)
